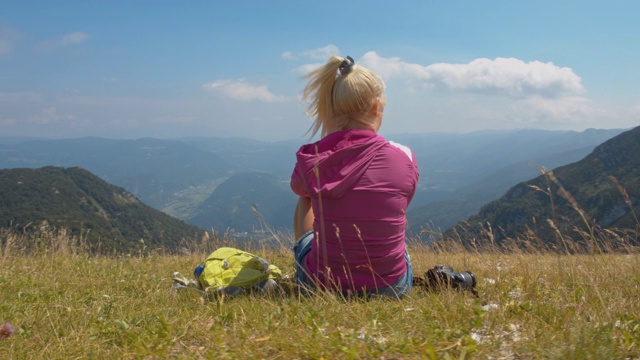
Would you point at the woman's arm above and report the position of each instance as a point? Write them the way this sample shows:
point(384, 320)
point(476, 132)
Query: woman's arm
point(303, 217)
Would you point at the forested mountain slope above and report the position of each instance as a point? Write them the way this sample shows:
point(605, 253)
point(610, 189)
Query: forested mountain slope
point(77, 200)
point(603, 188)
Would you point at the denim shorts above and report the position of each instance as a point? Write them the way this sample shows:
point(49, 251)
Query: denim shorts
point(396, 290)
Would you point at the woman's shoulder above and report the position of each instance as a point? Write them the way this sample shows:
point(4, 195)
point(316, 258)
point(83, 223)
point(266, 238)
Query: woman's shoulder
point(405, 149)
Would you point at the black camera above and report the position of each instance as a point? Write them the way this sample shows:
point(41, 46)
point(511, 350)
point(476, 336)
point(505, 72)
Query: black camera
point(444, 276)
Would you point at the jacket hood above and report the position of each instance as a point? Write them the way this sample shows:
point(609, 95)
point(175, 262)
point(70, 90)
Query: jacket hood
point(340, 158)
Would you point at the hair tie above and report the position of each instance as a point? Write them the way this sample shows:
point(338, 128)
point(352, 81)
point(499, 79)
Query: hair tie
point(346, 66)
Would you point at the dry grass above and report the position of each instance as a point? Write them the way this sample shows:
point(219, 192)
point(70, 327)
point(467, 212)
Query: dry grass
point(535, 302)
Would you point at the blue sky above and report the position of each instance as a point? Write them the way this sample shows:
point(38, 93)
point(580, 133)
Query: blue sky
point(128, 69)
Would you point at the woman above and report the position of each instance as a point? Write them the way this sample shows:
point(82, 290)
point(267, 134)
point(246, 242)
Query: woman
point(354, 188)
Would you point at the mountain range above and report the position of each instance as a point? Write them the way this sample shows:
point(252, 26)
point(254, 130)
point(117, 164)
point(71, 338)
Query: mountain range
point(242, 184)
point(600, 191)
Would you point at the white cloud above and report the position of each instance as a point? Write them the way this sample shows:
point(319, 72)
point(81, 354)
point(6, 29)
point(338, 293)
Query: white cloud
point(289, 55)
point(71, 115)
point(70, 39)
point(21, 110)
point(8, 37)
point(242, 91)
point(322, 53)
point(50, 115)
point(307, 68)
point(8, 121)
point(392, 67)
point(567, 110)
point(503, 76)
point(630, 116)
point(439, 111)
point(74, 38)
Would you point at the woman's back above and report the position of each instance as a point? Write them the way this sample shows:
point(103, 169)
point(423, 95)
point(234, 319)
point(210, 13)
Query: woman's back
point(360, 186)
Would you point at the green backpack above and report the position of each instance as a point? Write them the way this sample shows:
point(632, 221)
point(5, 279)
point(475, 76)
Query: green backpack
point(231, 270)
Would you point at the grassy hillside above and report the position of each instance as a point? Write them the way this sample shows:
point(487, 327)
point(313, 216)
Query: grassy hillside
point(108, 217)
point(65, 304)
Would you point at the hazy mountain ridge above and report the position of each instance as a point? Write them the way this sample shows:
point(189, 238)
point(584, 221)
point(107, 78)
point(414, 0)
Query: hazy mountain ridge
point(88, 207)
point(276, 158)
point(590, 183)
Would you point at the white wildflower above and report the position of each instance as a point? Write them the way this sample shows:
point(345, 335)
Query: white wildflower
point(489, 307)
point(476, 337)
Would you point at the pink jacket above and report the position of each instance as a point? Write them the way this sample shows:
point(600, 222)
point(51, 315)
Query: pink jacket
point(359, 194)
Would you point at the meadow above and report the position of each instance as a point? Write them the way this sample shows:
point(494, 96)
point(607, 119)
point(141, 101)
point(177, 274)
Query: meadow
point(535, 302)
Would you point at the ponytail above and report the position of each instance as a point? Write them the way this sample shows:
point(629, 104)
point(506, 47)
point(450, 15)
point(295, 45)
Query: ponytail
point(340, 93)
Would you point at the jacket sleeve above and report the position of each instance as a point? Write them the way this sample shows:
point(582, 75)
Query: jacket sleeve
point(297, 183)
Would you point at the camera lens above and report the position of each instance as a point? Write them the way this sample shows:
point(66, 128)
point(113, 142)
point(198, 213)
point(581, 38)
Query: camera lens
point(442, 276)
point(465, 279)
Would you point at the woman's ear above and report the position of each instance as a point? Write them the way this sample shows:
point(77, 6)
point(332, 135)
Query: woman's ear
point(378, 107)
point(376, 113)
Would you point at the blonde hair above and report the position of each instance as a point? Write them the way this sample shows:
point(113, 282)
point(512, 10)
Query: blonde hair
point(341, 95)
